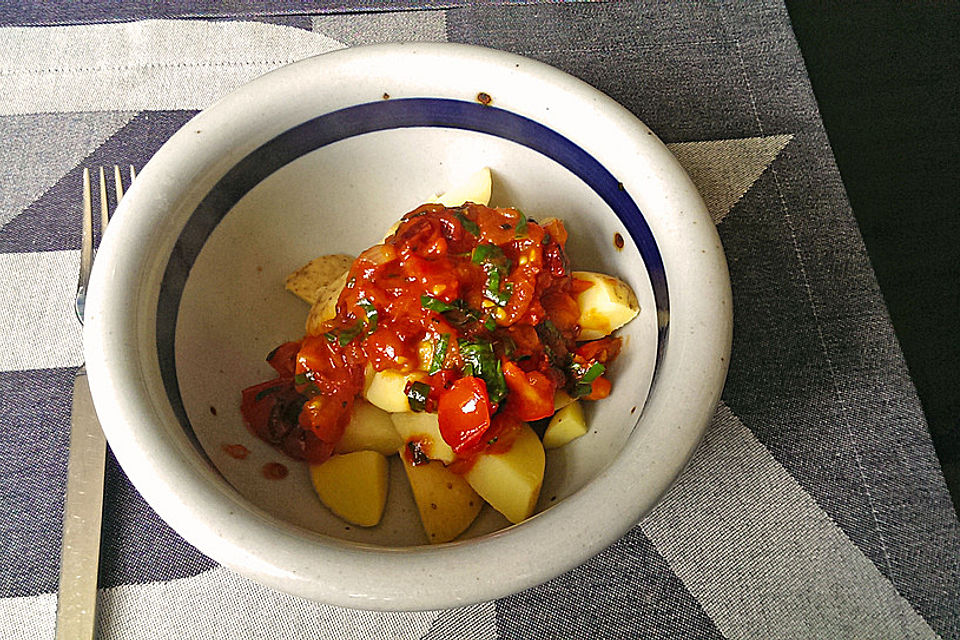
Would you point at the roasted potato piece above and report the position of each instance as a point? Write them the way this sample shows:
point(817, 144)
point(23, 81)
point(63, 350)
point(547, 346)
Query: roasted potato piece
point(353, 486)
point(447, 504)
point(566, 424)
point(608, 304)
point(369, 429)
point(511, 481)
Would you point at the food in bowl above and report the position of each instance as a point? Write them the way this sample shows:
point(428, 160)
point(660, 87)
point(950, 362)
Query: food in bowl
point(444, 344)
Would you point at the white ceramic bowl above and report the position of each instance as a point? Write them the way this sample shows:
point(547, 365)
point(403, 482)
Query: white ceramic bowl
point(321, 157)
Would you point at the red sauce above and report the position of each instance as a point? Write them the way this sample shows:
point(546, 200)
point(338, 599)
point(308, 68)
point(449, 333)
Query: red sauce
point(237, 451)
point(467, 293)
point(275, 471)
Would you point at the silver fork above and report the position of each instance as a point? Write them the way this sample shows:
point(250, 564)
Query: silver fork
point(83, 505)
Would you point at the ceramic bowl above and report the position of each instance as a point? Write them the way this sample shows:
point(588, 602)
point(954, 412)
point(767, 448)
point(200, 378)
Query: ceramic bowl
point(321, 157)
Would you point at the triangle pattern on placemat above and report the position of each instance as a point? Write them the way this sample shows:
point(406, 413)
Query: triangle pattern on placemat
point(723, 170)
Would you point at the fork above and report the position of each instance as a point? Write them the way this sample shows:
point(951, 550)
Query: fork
point(83, 504)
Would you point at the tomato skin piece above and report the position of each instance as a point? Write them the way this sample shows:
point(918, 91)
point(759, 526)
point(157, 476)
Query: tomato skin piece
point(531, 393)
point(599, 389)
point(283, 359)
point(464, 414)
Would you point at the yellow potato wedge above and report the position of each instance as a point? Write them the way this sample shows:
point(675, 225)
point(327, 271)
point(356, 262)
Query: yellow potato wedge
point(447, 504)
point(566, 424)
point(306, 281)
point(370, 429)
point(476, 188)
point(387, 389)
point(561, 399)
point(605, 306)
point(425, 429)
point(510, 482)
point(353, 486)
point(325, 307)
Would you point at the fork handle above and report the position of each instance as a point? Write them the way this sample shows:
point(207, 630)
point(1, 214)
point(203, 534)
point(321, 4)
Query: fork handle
point(82, 515)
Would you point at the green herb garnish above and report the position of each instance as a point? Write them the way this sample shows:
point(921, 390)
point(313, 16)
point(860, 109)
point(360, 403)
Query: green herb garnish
point(346, 336)
point(370, 313)
point(300, 379)
point(521, 226)
point(439, 354)
point(480, 360)
point(468, 224)
point(417, 396)
point(431, 303)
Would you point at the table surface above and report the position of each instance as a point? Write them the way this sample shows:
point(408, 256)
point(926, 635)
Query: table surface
point(815, 507)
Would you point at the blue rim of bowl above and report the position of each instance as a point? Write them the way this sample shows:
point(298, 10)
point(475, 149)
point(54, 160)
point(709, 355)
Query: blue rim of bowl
point(379, 116)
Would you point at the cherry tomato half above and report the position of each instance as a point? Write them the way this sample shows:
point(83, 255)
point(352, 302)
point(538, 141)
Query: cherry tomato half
point(531, 393)
point(464, 414)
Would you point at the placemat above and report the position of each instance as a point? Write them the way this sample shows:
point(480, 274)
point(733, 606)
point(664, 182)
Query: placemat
point(814, 508)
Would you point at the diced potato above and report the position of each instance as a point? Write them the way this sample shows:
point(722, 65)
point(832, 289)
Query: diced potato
point(561, 399)
point(387, 389)
point(511, 481)
point(447, 504)
point(475, 188)
point(567, 424)
point(325, 307)
point(606, 306)
point(307, 281)
point(369, 429)
point(353, 486)
point(424, 428)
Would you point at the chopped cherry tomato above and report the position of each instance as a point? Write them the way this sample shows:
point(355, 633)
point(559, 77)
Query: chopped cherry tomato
point(464, 414)
point(531, 393)
point(283, 359)
point(599, 389)
point(603, 350)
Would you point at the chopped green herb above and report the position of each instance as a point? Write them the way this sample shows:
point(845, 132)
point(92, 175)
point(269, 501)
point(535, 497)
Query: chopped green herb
point(428, 302)
point(522, 225)
point(330, 336)
point(439, 354)
point(263, 393)
point(468, 224)
point(481, 361)
point(489, 323)
point(581, 389)
point(417, 396)
point(483, 252)
point(595, 371)
point(346, 336)
point(371, 314)
point(300, 379)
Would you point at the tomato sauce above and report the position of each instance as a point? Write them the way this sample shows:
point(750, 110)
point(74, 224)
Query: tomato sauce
point(479, 301)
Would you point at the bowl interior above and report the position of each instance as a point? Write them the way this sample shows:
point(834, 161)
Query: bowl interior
point(341, 198)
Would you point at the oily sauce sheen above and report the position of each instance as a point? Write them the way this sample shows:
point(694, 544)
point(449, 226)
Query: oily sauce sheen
point(477, 302)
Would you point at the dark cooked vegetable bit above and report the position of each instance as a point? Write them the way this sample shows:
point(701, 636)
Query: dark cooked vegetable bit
point(417, 396)
point(417, 456)
point(481, 361)
point(300, 379)
point(428, 302)
point(439, 354)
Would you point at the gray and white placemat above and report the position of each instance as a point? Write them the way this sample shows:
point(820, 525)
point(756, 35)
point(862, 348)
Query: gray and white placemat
point(815, 507)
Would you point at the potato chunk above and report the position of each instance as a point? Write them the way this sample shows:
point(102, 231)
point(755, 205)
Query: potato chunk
point(447, 504)
point(605, 306)
point(566, 424)
point(424, 428)
point(511, 481)
point(370, 429)
point(307, 281)
point(387, 389)
point(353, 486)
